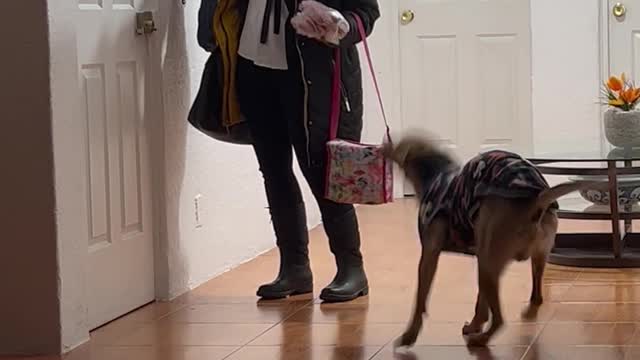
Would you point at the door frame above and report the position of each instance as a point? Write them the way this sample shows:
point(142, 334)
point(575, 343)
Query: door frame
point(604, 57)
point(387, 32)
point(155, 80)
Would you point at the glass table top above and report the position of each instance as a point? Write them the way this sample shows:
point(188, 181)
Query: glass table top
point(617, 154)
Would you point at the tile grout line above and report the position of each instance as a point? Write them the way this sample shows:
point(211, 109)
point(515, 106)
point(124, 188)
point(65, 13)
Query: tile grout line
point(537, 337)
point(633, 336)
point(546, 323)
point(385, 345)
point(311, 302)
point(180, 308)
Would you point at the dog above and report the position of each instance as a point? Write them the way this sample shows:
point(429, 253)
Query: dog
point(498, 207)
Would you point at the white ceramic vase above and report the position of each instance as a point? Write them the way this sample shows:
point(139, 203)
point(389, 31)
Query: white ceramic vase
point(622, 128)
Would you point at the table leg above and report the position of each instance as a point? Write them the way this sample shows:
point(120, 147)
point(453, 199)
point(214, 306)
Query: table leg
point(628, 223)
point(615, 214)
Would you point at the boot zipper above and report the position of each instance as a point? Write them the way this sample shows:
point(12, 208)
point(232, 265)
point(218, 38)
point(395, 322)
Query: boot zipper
point(305, 85)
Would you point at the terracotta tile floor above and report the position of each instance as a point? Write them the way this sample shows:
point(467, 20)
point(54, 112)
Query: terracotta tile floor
point(588, 314)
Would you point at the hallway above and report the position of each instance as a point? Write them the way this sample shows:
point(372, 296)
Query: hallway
point(588, 314)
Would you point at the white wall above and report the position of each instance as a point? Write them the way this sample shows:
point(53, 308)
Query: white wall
point(236, 224)
point(566, 75)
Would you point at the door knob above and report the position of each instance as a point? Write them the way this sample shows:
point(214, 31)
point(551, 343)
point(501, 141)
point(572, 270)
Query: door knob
point(619, 10)
point(145, 24)
point(407, 17)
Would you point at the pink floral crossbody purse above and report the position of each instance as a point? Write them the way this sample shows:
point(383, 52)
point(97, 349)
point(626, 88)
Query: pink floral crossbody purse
point(356, 173)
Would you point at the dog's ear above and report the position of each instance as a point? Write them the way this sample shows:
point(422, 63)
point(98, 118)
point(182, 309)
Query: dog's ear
point(397, 153)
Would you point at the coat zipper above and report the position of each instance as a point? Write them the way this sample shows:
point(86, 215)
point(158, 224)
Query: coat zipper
point(345, 96)
point(305, 115)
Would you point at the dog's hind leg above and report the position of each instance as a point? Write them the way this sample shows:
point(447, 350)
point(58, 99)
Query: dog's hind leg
point(432, 241)
point(494, 233)
point(479, 319)
point(538, 262)
point(539, 257)
point(489, 276)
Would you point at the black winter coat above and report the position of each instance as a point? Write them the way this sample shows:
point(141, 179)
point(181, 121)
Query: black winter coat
point(317, 60)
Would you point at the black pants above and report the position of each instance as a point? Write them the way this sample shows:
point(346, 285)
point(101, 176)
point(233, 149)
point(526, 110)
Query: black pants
point(272, 101)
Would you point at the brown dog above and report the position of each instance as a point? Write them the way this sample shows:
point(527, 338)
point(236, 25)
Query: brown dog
point(498, 207)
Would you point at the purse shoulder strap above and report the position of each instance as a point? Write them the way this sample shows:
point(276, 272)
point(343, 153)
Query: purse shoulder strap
point(363, 36)
point(337, 73)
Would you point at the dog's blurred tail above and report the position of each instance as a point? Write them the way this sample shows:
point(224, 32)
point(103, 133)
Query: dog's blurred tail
point(547, 197)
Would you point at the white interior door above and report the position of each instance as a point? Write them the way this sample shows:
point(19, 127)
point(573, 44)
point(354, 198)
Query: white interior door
point(111, 76)
point(624, 38)
point(466, 73)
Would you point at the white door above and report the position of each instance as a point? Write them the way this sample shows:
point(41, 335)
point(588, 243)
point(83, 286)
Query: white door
point(111, 77)
point(624, 38)
point(466, 73)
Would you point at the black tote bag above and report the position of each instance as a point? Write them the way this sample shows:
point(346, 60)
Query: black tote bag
point(206, 111)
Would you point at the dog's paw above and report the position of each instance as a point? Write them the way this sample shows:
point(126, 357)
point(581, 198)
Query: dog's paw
point(536, 300)
point(478, 340)
point(531, 312)
point(407, 339)
point(471, 328)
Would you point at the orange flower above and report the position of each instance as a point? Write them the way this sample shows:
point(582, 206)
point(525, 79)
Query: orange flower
point(630, 96)
point(636, 95)
point(626, 95)
point(614, 84)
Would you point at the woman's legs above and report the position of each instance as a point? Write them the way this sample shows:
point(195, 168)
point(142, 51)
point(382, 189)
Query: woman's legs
point(258, 93)
point(341, 225)
point(272, 102)
point(339, 220)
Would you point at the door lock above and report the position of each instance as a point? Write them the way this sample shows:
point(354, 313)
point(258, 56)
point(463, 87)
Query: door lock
point(407, 17)
point(145, 24)
point(619, 10)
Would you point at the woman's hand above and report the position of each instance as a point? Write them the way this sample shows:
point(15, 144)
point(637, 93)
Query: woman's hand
point(318, 21)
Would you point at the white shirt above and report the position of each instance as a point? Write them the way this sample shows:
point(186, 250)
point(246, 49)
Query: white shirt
point(273, 54)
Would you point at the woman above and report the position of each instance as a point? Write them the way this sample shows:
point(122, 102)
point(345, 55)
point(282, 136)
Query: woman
point(284, 86)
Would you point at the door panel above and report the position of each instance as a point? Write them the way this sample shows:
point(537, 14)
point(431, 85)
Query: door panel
point(466, 73)
point(624, 40)
point(112, 74)
point(497, 59)
point(441, 103)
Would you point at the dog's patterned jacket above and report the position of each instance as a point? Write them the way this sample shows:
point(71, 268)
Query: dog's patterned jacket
point(456, 193)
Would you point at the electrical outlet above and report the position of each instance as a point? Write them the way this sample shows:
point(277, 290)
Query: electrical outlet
point(197, 203)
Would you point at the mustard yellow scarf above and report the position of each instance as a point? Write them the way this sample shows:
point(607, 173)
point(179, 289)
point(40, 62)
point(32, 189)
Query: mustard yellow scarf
point(226, 29)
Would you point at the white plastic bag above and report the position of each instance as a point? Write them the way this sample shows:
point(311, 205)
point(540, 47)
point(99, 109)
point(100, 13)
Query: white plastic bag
point(318, 21)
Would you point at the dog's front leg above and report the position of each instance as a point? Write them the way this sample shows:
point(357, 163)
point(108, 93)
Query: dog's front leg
point(432, 242)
